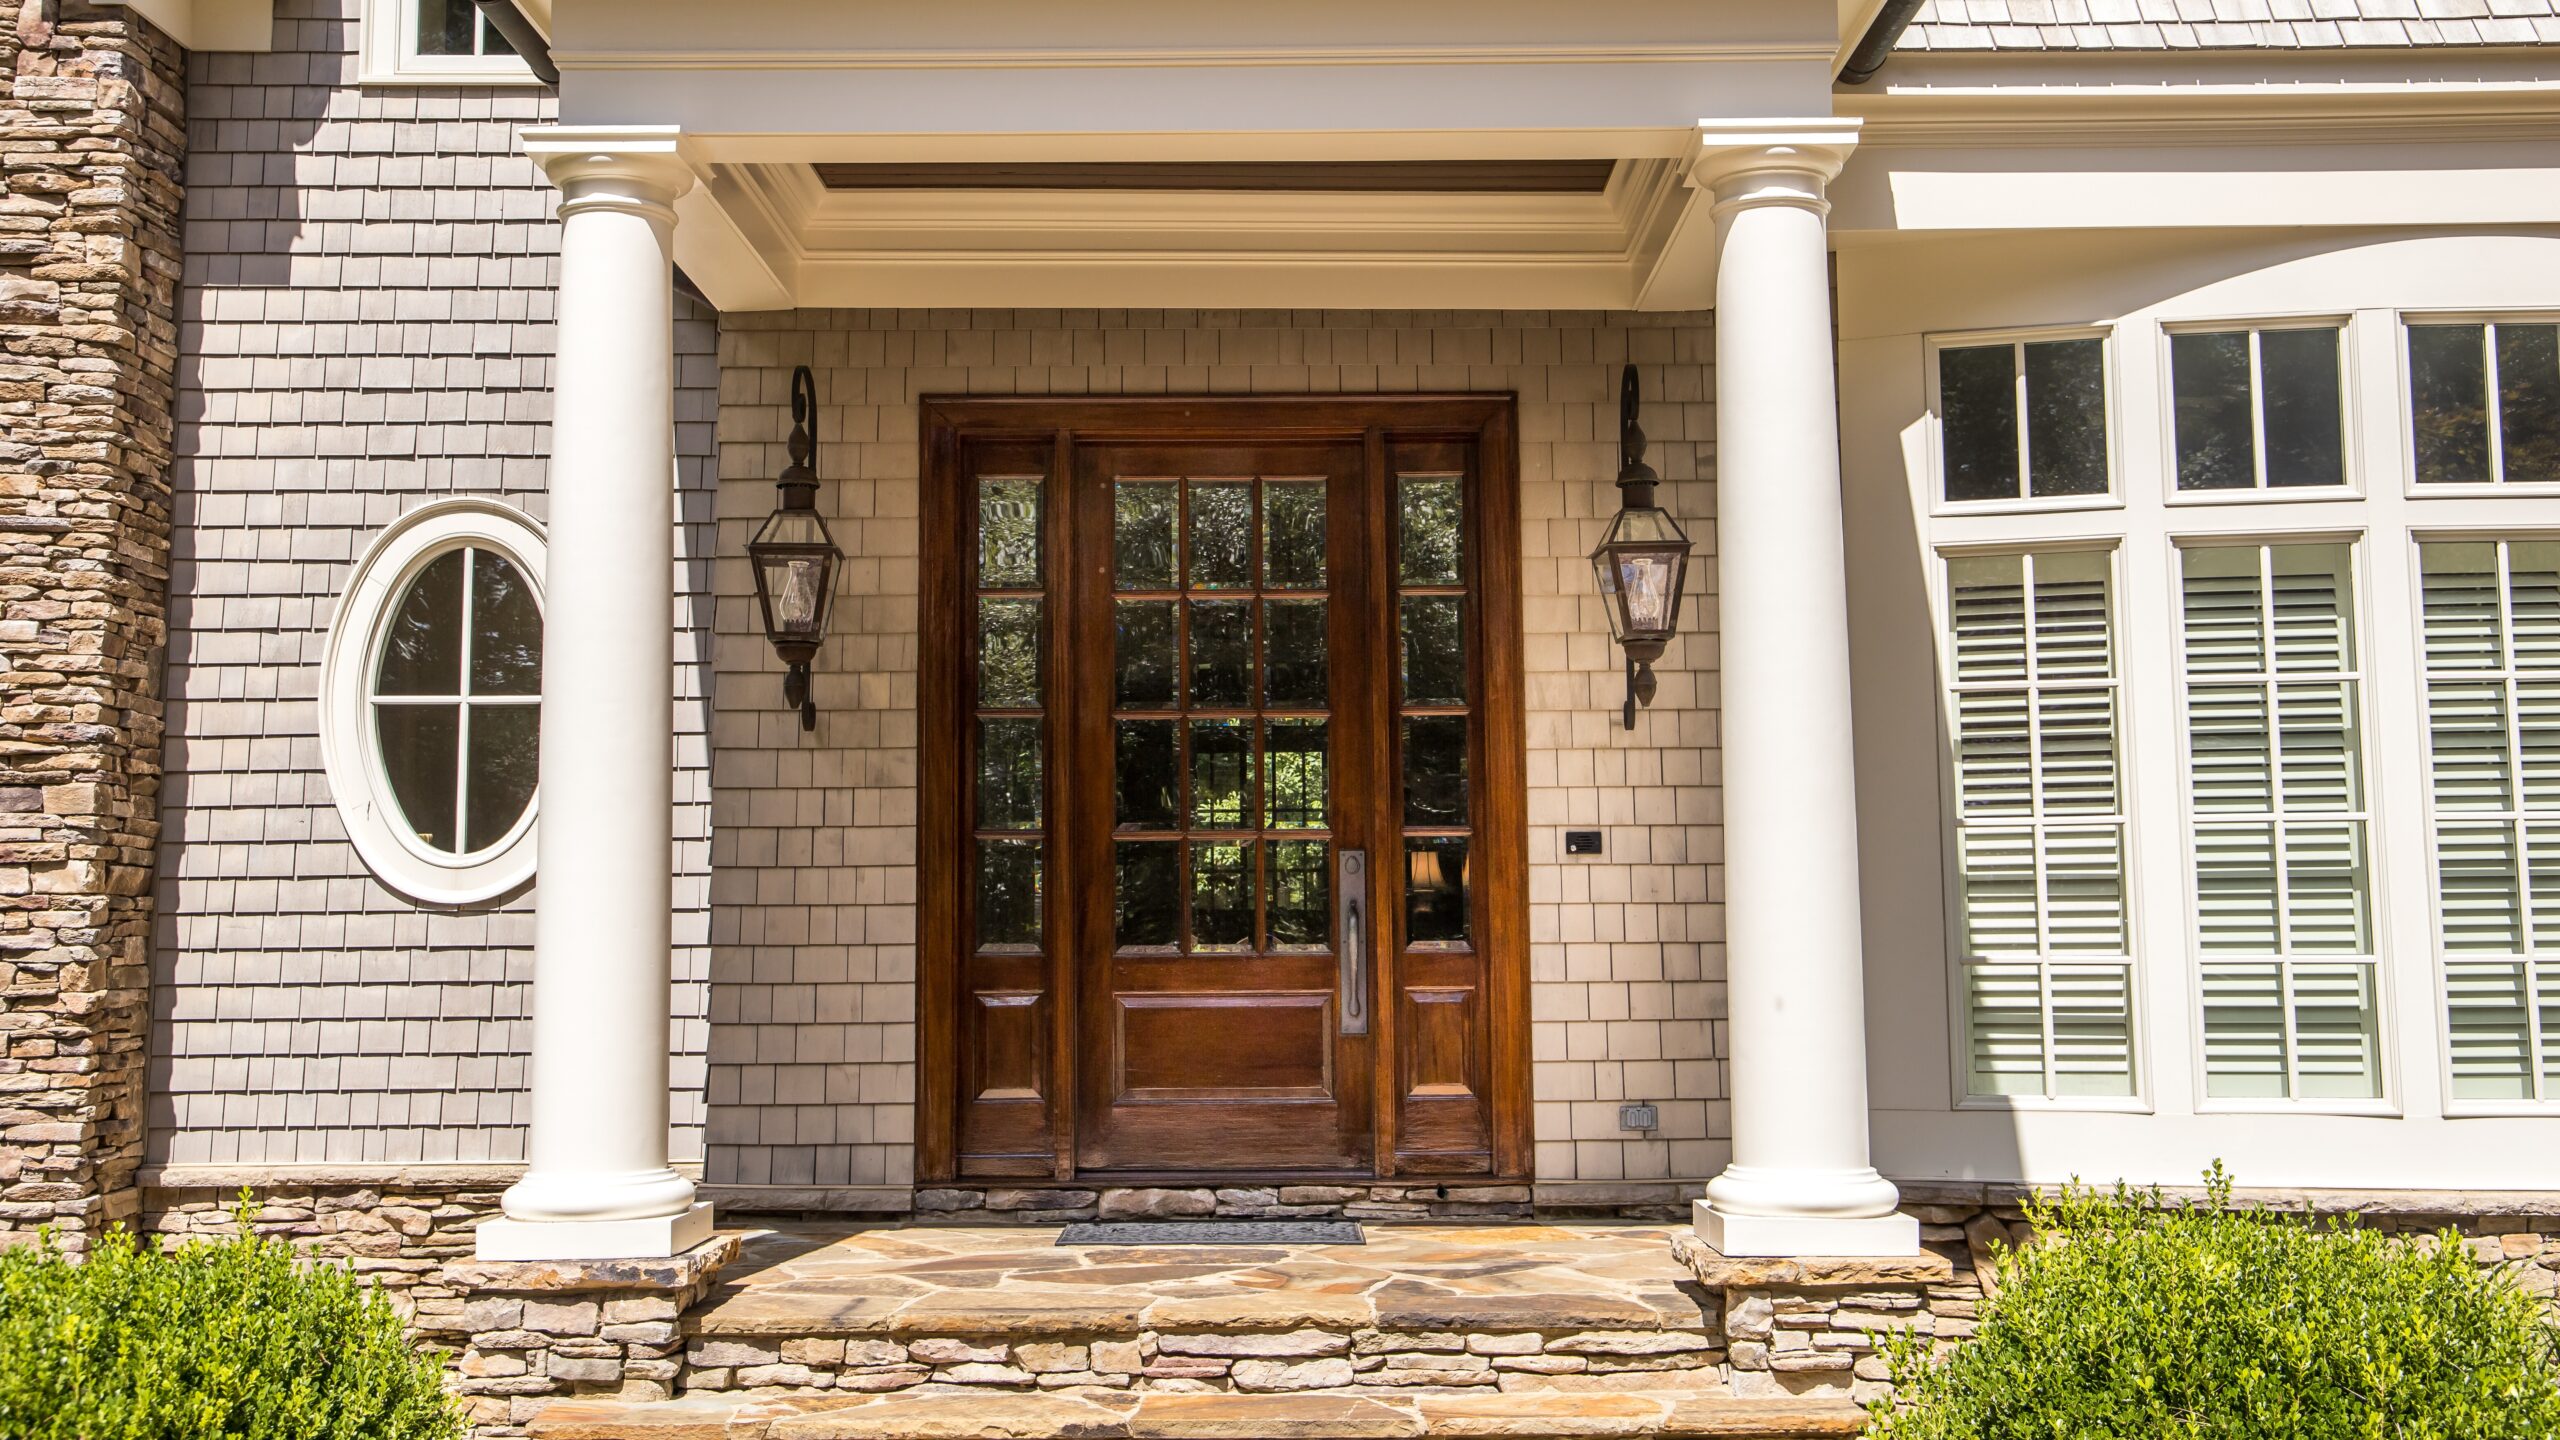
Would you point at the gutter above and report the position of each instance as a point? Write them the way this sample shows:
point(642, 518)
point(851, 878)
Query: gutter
point(510, 23)
point(1874, 48)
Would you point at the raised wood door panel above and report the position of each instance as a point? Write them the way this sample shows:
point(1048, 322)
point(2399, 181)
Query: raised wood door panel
point(1144, 760)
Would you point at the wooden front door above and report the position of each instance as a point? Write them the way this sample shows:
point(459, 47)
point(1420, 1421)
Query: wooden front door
point(1223, 831)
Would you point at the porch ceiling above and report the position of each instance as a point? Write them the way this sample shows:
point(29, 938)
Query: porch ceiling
point(776, 234)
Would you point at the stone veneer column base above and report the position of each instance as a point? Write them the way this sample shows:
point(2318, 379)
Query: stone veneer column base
point(1866, 1237)
point(1811, 1325)
point(535, 1331)
point(656, 1238)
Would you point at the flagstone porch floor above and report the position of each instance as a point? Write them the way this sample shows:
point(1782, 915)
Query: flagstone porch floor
point(1009, 1280)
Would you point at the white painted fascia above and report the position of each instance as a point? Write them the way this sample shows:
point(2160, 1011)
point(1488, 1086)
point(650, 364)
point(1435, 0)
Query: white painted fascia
point(2108, 160)
point(210, 24)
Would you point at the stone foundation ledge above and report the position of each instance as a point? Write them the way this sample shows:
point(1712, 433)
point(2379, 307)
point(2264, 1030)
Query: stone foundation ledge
point(532, 1331)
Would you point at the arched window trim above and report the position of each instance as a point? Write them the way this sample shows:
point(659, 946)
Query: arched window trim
point(350, 747)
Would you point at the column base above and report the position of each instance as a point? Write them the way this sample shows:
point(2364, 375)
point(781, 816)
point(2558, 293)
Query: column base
point(1865, 1236)
point(655, 1238)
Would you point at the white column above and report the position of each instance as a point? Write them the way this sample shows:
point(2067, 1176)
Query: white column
point(598, 1185)
point(1800, 1182)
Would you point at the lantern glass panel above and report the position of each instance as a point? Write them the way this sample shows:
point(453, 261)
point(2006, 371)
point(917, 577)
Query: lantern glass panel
point(798, 585)
point(1641, 567)
point(1648, 585)
point(795, 562)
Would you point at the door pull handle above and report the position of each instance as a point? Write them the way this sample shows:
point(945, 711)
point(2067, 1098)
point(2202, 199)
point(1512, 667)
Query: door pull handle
point(1354, 946)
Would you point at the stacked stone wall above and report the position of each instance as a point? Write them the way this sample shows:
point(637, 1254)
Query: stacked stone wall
point(92, 165)
point(1809, 1326)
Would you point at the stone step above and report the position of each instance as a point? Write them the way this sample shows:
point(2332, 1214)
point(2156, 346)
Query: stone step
point(956, 1413)
point(1523, 1308)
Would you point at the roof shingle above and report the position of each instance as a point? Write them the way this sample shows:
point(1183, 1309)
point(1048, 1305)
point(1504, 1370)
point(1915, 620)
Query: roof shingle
point(1979, 25)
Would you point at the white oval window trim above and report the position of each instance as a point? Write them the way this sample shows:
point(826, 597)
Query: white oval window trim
point(351, 751)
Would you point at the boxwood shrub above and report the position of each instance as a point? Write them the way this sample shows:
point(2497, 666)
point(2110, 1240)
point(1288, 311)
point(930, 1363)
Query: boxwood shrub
point(2135, 1317)
point(227, 1338)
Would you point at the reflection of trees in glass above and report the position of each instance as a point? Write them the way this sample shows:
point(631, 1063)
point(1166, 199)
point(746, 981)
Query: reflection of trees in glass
point(1009, 654)
point(1221, 534)
point(422, 644)
point(2529, 401)
point(2209, 375)
point(1435, 652)
point(1221, 893)
point(1293, 535)
point(1008, 533)
point(2449, 403)
point(2067, 417)
point(1009, 892)
point(1009, 774)
point(1142, 535)
point(1294, 762)
point(506, 628)
point(1301, 893)
point(1433, 529)
point(1978, 418)
point(1221, 773)
point(506, 753)
point(1148, 893)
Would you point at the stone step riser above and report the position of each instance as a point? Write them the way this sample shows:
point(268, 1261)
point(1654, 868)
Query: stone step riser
point(1299, 1361)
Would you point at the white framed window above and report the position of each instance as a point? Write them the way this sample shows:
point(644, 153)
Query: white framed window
point(2489, 641)
point(2037, 798)
point(2258, 411)
point(2483, 402)
point(2279, 826)
point(2023, 422)
point(431, 702)
point(436, 42)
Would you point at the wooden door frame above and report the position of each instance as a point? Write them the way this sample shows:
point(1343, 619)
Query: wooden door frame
point(1489, 423)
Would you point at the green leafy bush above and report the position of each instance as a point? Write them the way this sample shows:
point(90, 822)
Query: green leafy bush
point(2133, 1317)
point(229, 1338)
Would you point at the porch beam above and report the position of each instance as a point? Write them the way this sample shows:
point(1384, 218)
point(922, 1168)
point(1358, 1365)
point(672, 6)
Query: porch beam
point(1800, 1182)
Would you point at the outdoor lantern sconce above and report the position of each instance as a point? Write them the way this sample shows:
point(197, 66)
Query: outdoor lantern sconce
point(795, 558)
point(1642, 562)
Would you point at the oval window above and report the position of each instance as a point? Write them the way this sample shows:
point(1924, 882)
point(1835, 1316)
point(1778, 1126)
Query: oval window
point(457, 700)
point(433, 717)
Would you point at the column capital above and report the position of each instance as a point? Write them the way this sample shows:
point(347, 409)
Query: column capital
point(1793, 158)
point(612, 166)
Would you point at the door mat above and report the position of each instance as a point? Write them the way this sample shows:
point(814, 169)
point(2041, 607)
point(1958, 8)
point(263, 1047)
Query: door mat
point(1213, 1232)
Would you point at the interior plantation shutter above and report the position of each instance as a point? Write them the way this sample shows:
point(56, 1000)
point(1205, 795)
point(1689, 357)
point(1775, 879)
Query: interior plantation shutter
point(2278, 827)
point(2040, 825)
point(2490, 629)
